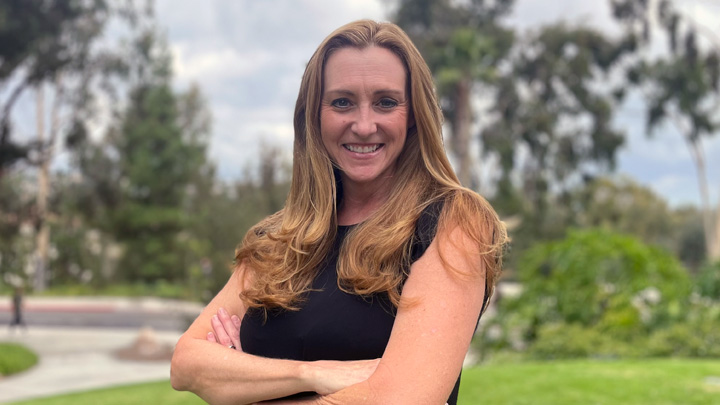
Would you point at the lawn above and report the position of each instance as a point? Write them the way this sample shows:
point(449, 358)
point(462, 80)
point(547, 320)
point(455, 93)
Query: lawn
point(662, 381)
point(15, 358)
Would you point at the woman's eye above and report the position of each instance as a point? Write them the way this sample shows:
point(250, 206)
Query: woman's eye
point(341, 103)
point(387, 103)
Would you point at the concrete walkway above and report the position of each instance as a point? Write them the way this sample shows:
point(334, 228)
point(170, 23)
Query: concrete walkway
point(78, 360)
point(73, 359)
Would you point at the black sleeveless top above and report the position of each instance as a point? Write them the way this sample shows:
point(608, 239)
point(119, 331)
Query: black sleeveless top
point(332, 324)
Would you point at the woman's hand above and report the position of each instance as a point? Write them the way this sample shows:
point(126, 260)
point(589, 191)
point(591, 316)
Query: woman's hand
point(226, 330)
point(328, 376)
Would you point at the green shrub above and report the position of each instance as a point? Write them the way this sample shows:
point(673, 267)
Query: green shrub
point(594, 293)
point(696, 336)
point(15, 358)
point(557, 341)
point(707, 282)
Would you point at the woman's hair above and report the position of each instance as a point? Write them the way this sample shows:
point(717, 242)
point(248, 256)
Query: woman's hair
point(285, 250)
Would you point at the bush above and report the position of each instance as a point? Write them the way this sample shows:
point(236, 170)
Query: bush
point(696, 336)
point(558, 341)
point(594, 293)
point(708, 281)
point(15, 358)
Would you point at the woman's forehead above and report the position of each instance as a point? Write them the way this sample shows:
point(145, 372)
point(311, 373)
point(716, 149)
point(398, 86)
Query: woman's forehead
point(375, 67)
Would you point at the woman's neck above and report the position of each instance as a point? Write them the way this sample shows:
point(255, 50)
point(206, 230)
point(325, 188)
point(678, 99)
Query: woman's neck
point(359, 203)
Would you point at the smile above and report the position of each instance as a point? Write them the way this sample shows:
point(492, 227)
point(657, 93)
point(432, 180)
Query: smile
point(362, 149)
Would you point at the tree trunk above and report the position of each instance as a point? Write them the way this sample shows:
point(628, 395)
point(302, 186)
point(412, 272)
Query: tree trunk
point(463, 122)
point(714, 253)
point(43, 234)
point(708, 226)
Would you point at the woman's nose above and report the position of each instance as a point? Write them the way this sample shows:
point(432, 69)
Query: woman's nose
point(364, 124)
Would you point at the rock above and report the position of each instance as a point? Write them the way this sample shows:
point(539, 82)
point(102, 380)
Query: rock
point(146, 347)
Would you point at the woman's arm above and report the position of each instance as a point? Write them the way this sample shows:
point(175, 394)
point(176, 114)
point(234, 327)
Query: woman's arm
point(432, 331)
point(219, 374)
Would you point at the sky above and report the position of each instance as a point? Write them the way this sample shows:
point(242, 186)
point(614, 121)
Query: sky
point(248, 57)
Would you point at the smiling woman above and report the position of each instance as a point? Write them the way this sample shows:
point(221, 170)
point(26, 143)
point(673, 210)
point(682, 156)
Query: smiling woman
point(367, 287)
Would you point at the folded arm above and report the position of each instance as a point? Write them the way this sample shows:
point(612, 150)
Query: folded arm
point(219, 374)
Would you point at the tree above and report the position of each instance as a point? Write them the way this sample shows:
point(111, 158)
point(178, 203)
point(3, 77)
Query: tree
point(151, 164)
point(463, 43)
point(227, 211)
point(53, 41)
point(16, 222)
point(681, 86)
point(624, 206)
point(551, 108)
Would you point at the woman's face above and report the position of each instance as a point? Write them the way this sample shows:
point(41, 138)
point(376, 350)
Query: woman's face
point(364, 114)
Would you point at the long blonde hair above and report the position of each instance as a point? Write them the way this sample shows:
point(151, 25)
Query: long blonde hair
point(285, 250)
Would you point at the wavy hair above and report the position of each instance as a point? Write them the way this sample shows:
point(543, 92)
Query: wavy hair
point(285, 250)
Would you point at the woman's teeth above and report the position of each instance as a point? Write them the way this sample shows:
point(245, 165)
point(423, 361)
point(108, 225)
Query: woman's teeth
point(362, 149)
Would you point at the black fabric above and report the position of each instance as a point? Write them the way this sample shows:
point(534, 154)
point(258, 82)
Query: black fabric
point(332, 324)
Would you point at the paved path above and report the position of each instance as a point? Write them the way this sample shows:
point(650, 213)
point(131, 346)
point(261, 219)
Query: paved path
point(78, 358)
point(104, 312)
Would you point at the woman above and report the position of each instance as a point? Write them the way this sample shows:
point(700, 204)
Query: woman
point(367, 287)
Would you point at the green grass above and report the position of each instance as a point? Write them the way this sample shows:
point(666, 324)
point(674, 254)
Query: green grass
point(655, 381)
point(661, 381)
point(15, 358)
point(157, 393)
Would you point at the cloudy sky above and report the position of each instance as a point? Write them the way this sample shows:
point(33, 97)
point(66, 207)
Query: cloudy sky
point(248, 57)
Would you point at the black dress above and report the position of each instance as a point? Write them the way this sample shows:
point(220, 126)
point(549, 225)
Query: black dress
point(332, 324)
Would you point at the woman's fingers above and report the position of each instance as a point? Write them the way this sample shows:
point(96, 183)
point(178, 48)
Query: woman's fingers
point(221, 335)
point(231, 325)
point(226, 329)
point(211, 337)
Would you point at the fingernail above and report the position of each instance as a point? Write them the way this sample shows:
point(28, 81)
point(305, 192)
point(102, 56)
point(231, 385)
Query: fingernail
point(236, 320)
point(222, 311)
point(215, 317)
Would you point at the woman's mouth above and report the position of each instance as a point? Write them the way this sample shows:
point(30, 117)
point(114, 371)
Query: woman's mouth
point(363, 148)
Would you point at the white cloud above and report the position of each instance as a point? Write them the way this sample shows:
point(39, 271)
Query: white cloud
point(217, 65)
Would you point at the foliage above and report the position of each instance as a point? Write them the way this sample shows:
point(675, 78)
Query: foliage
point(565, 341)
point(550, 125)
point(160, 289)
point(55, 41)
point(15, 214)
point(624, 206)
point(463, 43)
point(681, 85)
point(227, 211)
point(708, 281)
point(584, 294)
point(15, 358)
point(149, 160)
